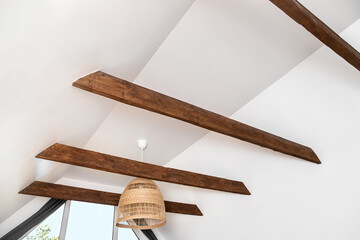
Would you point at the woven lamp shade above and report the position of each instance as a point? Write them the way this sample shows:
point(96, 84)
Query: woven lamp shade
point(141, 206)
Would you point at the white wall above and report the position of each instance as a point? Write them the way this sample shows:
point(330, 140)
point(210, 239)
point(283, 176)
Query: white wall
point(317, 104)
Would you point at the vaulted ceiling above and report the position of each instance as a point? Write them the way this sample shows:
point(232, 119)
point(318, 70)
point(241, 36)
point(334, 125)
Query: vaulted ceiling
point(219, 56)
point(216, 54)
point(44, 47)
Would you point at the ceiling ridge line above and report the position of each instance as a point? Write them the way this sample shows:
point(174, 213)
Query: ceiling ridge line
point(163, 41)
point(135, 78)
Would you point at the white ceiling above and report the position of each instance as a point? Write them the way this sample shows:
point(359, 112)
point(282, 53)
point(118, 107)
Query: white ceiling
point(317, 104)
point(219, 56)
point(44, 46)
point(166, 136)
point(224, 53)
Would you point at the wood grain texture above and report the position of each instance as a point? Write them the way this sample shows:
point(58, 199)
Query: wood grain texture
point(58, 191)
point(132, 94)
point(320, 30)
point(99, 161)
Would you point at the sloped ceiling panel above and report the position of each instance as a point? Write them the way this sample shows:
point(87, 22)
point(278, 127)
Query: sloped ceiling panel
point(290, 199)
point(44, 47)
point(224, 53)
point(219, 56)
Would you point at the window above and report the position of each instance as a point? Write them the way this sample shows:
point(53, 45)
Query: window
point(49, 228)
point(126, 234)
point(80, 220)
point(90, 221)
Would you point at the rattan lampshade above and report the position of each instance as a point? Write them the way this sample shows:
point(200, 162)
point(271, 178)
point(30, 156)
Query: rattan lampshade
point(141, 206)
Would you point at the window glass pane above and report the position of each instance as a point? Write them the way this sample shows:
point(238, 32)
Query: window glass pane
point(49, 228)
point(89, 221)
point(126, 234)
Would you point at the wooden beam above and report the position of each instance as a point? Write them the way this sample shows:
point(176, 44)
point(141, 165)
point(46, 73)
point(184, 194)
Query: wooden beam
point(99, 161)
point(132, 94)
point(320, 30)
point(58, 191)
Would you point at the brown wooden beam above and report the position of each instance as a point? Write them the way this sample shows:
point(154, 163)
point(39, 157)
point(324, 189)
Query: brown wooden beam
point(320, 30)
point(99, 161)
point(58, 191)
point(132, 94)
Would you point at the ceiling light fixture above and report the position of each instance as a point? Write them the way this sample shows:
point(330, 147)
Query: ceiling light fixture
point(141, 205)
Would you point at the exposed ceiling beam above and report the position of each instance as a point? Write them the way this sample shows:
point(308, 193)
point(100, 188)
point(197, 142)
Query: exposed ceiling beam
point(58, 191)
point(99, 161)
point(132, 94)
point(316, 27)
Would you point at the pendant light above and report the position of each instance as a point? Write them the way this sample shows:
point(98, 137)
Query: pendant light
point(141, 205)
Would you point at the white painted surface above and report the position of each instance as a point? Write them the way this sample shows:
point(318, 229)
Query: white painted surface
point(65, 220)
point(336, 14)
point(224, 53)
point(317, 104)
point(22, 213)
point(219, 56)
point(117, 136)
point(44, 46)
point(209, 60)
point(125, 124)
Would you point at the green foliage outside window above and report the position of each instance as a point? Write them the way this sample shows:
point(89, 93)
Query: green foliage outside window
point(42, 233)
